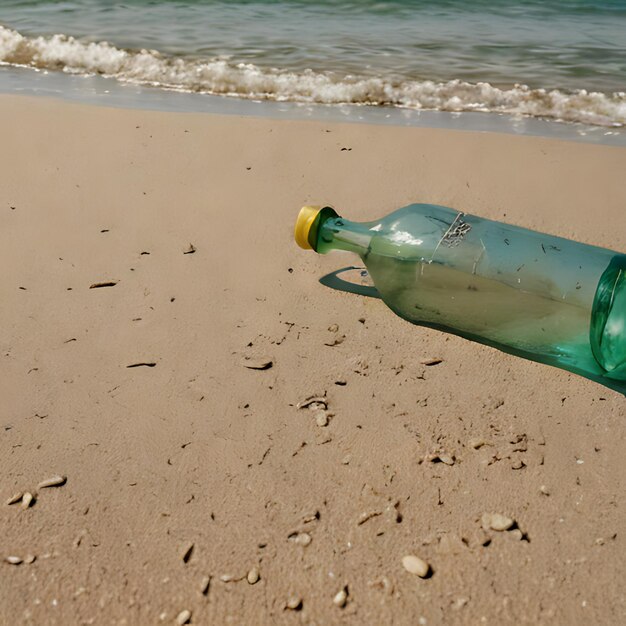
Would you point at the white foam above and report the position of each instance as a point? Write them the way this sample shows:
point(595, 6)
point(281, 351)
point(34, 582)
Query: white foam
point(220, 76)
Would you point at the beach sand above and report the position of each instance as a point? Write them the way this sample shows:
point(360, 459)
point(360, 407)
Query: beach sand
point(192, 447)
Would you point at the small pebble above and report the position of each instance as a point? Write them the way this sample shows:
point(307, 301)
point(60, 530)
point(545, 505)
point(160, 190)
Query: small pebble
point(321, 419)
point(544, 490)
point(258, 363)
point(414, 565)
point(183, 617)
point(302, 539)
point(333, 328)
point(311, 517)
point(516, 533)
point(459, 603)
point(204, 585)
point(346, 459)
point(496, 521)
point(341, 598)
point(335, 341)
point(294, 603)
point(440, 457)
point(16, 497)
point(187, 552)
point(253, 576)
point(447, 459)
point(517, 464)
point(476, 444)
point(30, 558)
point(431, 362)
point(226, 578)
point(53, 481)
point(13, 560)
point(27, 500)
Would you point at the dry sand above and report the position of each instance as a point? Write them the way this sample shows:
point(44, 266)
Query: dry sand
point(201, 450)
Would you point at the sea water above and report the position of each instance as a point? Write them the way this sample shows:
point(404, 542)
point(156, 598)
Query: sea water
point(551, 59)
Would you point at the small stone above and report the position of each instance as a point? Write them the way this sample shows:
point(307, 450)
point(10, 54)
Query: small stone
point(27, 500)
point(204, 585)
point(440, 457)
point(226, 578)
point(414, 565)
point(190, 249)
point(516, 533)
point(53, 481)
point(259, 363)
point(302, 539)
point(496, 521)
point(431, 362)
point(16, 497)
point(341, 598)
point(321, 418)
point(294, 603)
point(333, 328)
point(30, 558)
point(346, 459)
point(253, 576)
point(186, 555)
point(459, 603)
point(183, 617)
point(517, 464)
point(335, 341)
point(13, 560)
point(544, 490)
point(476, 444)
point(311, 517)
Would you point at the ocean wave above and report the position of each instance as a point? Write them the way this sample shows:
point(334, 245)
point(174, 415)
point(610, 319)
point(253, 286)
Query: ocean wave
point(222, 76)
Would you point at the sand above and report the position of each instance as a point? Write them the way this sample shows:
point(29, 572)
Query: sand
point(193, 447)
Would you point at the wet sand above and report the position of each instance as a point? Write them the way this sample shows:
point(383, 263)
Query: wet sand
point(148, 268)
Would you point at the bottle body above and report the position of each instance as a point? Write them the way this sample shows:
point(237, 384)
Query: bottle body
point(535, 295)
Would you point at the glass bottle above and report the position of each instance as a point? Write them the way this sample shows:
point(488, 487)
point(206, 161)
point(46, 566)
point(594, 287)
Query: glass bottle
point(538, 296)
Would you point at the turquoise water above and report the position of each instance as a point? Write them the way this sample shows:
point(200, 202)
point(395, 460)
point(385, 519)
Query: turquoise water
point(557, 59)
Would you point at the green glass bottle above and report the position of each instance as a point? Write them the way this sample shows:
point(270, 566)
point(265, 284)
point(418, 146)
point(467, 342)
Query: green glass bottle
point(534, 295)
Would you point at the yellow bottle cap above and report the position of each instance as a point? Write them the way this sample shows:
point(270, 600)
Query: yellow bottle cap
point(305, 220)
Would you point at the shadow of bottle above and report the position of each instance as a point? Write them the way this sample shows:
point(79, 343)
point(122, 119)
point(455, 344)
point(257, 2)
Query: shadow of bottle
point(334, 280)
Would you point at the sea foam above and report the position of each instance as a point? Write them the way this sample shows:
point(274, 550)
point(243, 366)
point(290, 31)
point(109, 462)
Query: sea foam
point(223, 76)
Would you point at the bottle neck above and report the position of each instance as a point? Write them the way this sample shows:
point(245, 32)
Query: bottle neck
point(337, 233)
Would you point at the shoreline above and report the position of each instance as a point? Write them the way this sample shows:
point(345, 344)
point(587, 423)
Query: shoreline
point(148, 257)
point(100, 91)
